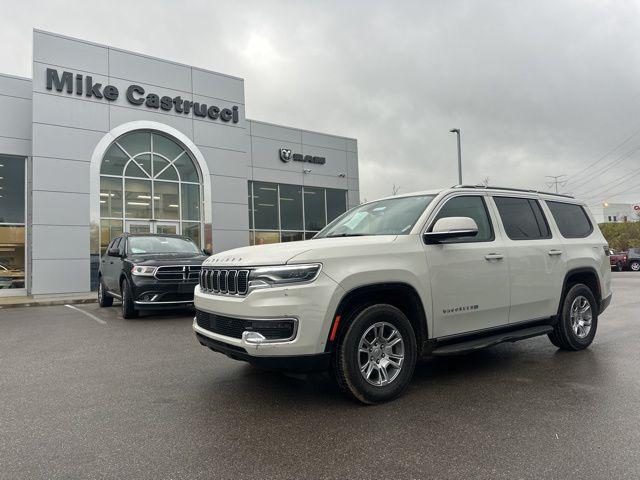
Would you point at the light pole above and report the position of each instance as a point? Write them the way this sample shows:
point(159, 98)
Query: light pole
point(457, 132)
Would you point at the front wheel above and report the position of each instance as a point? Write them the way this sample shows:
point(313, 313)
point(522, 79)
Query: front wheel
point(634, 266)
point(578, 320)
point(376, 356)
point(128, 307)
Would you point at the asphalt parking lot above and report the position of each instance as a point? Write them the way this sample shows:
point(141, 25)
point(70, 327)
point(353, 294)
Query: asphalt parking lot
point(86, 394)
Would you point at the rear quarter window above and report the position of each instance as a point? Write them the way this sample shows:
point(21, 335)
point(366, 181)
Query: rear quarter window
point(572, 220)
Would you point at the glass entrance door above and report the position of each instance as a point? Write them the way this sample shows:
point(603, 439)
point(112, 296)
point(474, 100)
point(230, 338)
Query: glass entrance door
point(141, 226)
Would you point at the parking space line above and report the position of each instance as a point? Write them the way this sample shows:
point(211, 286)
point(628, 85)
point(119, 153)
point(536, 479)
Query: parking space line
point(91, 316)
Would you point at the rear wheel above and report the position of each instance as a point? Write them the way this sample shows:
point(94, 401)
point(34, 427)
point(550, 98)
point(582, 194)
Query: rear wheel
point(634, 266)
point(104, 299)
point(376, 356)
point(578, 320)
point(128, 307)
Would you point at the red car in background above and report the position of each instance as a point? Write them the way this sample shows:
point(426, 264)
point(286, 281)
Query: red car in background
point(618, 261)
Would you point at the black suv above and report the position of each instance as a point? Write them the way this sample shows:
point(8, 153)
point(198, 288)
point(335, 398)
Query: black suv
point(633, 259)
point(149, 271)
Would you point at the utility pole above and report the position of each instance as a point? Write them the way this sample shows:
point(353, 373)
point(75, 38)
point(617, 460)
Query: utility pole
point(555, 180)
point(457, 132)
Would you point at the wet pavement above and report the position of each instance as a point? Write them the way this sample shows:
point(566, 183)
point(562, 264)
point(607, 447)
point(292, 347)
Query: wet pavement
point(86, 394)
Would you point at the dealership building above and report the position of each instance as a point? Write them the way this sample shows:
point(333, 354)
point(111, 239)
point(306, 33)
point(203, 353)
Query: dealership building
point(103, 140)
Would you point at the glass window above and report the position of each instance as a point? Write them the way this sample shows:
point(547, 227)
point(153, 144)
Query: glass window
point(192, 231)
point(291, 207)
point(163, 170)
point(262, 238)
point(137, 194)
point(166, 202)
point(471, 206)
point(187, 169)
point(265, 205)
point(109, 229)
point(135, 143)
point(314, 208)
point(571, 219)
point(114, 161)
point(393, 216)
point(309, 235)
point(110, 197)
point(11, 189)
point(291, 236)
point(522, 218)
point(250, 204)
point(190, 201)
point(336, 203)
point(166, 147)
point(11, 254)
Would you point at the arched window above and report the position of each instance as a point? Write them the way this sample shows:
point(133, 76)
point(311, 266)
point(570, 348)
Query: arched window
point(149, 184)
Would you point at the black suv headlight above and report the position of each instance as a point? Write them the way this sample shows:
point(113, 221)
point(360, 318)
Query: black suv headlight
point(283, 275)
point(143, 270)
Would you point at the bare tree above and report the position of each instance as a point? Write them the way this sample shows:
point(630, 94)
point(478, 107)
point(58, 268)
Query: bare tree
point(485, 181)
point(395, 189)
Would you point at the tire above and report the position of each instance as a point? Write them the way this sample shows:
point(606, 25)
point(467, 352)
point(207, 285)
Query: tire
point(634, 266)
point(128, 307)
point(390, 375)
point(104, 299)
point(576, 332)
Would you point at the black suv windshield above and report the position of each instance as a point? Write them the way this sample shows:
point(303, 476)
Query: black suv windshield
point(146, 245)
point(393, 216)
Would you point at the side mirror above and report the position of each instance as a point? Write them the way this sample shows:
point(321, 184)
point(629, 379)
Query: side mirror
point(451, 227)
point(113, 252)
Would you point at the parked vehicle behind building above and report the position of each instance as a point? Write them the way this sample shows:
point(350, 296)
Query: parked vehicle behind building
point(433, 273)
point(149, 271)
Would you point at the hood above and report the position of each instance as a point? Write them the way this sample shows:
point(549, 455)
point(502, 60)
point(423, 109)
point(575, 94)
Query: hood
point(167, 259)
point(281, 253)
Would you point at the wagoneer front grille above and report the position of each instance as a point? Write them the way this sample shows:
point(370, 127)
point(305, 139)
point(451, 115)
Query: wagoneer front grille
point(228, 281)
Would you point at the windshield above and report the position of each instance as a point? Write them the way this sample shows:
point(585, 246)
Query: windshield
point(141, 245)
point(393, 216)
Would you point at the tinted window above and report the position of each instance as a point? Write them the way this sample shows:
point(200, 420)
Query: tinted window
point(265, 205)
point(472, 207)
point(336, 203)
point(571, 219)
point(314, 211)
point(522, 218)
point(291, 207)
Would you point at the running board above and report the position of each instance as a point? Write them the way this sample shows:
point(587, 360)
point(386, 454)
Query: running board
point(488, 341)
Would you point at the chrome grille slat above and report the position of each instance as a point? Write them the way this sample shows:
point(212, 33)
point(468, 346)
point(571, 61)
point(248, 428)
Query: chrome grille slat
point(227, 281)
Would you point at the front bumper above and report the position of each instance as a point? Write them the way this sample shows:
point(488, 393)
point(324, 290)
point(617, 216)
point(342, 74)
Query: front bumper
point(297, 364)
point(150, 293)
point(312, 306)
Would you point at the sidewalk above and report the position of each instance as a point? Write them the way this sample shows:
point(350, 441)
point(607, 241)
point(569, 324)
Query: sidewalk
point(47, 300)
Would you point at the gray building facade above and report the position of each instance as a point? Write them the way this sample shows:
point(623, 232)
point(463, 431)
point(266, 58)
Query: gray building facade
point(103, 140)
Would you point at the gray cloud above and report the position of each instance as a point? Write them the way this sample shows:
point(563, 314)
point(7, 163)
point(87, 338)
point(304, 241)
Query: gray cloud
point(537, 88)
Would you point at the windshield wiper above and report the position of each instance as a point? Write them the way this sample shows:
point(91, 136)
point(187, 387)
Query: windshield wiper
point(347, 235)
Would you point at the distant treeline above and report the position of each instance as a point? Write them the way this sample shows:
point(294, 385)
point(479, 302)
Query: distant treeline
point(621, 236)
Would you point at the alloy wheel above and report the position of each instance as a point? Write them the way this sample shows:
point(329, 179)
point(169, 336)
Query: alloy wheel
point(381, 354)
point(581, 316)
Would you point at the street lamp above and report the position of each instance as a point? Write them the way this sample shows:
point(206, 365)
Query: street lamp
point(457, 132)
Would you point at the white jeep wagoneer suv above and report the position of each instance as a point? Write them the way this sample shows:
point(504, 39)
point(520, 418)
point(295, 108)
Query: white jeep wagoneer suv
point(390, 281)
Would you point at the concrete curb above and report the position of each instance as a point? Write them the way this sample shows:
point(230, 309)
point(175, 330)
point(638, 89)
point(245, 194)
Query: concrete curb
point(47, 303)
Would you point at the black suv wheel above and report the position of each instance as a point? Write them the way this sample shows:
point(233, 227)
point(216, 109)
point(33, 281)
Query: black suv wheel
point(634, 265)
point(376, 356)
point(104, 299)
point(578, 320)
point(128, 307)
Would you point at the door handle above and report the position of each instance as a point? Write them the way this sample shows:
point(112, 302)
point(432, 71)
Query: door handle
point(493, 256)
point(554, 252)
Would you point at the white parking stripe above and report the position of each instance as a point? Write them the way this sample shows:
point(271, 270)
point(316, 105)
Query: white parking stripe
point(91, 316)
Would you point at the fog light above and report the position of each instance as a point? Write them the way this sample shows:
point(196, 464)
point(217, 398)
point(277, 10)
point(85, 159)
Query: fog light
point(252, 337)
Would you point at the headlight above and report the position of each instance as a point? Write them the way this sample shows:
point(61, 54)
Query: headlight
point(283, 275)
point(143, 270)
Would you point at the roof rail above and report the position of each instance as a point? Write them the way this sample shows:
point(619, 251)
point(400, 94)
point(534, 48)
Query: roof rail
point(511, 189)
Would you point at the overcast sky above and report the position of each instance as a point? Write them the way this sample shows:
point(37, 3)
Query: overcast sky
point(537, 88)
